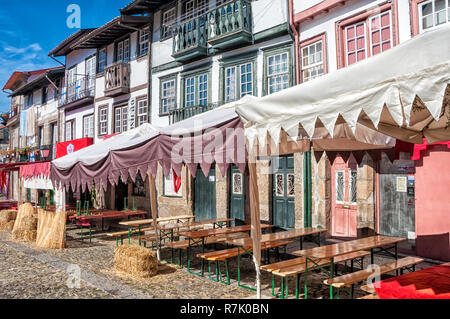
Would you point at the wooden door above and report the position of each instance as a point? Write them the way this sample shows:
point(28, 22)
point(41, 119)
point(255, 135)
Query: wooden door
point(283, 192)
point(344, 204)
point(205, 195)
point(237, 195)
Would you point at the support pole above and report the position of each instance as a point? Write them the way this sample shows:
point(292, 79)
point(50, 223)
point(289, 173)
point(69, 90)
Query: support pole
point(256, 224)
point(153, 204)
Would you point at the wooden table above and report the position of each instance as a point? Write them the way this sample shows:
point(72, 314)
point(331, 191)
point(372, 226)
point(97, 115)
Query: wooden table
point(317, 254)
point(246, 244)
point(199, 236)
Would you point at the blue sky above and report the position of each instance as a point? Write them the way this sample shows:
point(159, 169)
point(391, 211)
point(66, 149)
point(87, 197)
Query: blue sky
point(29, 29)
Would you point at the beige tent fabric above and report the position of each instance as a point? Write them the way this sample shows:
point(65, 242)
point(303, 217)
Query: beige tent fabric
point(399, 93)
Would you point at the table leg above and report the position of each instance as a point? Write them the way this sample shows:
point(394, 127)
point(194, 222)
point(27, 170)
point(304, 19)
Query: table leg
point(396, 258)
point(371, 256)
point(306, 278)
point(301, 243)
point(331, 277)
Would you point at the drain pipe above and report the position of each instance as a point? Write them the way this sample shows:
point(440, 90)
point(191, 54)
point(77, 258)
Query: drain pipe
point(307, 197)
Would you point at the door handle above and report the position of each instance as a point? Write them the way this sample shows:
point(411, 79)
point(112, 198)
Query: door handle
point(346, 206)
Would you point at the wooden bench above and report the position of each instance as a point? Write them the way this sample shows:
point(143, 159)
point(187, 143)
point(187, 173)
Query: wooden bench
point(226, 254)
point(371, 296)
point(120, 234)
point(349, 280)
point(297, 266)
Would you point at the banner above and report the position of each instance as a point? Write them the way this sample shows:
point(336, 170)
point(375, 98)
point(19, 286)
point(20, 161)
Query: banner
point(66, 148)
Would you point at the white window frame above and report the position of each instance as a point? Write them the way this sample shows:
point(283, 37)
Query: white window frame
point(142, 116)
point(168, 94)
point(391, 42)
point(91, 65)
point(169, 189)
point(102, 61)
point(243, 93)
point(230, 85)
point(103, 121)
point(168, 18)
point(201, 79)
point(69, 130)
point(447, 10)
point(350, 183)
point(88, 126)
point(123, 51)
point(121, 119)
point(277, 75)
point(316, 65)
point(189, 97)
point(144, 41)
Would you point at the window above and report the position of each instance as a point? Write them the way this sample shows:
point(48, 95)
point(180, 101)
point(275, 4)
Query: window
point(168, 18)
point(355, 42)
point(142, 112)
point(44, 95)
point(277, 72)
point(194, 8)
point(123, 51)
point(238, 81)
point(433, 13)
point(90, 73)
point(54, 130)
point(367, 34)
point(120, 119)
point(88, 126)
point(168, 96)
point(28, 100)
point(312, 61)
point(103, 120)
point(70, 130)
point(144, 38)
point(196, 90)
point(380, 32)
point(101, 60)
point(169, 187)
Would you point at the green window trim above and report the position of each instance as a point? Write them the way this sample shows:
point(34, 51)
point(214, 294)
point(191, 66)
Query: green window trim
point(162, 80)
point(197, 74)
point(237, 62)
point(288, 48)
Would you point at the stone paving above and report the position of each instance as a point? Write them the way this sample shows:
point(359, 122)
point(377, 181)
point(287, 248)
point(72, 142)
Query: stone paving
point(27, 272)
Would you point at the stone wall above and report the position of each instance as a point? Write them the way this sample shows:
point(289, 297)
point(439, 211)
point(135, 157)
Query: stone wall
point(222, 194)
point(365, 194)
point(299, 190)
point(321, 193)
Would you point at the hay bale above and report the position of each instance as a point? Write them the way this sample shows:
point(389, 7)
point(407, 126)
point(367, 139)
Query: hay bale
point(8, 225)
point(25, 226)
point(136, 261)
point(51, 231)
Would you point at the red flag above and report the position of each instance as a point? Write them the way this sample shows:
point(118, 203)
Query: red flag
point(176, 181)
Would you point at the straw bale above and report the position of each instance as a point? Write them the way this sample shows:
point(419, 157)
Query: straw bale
point(7, 226)
point(136, 261)
point(7, 216)
point(25, 226)
point(51, 230)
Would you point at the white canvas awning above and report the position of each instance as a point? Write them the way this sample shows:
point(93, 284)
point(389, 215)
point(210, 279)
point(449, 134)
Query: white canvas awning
point(38, 183)
point(399, 93)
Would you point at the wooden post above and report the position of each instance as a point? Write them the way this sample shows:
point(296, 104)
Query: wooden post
point(153, 204)
point(256, 224)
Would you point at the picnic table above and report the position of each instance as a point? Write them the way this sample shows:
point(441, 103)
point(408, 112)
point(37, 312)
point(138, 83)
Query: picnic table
point(432, 282)
point(137, 224)
point(86, 221)
point(197, 237)
point(319, 257)
point(245, 245)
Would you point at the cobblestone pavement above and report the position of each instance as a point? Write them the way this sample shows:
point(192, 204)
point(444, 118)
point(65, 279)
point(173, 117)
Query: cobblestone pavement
point(27, 272)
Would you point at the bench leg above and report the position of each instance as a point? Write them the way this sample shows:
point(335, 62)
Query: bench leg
point(239, 275)
point(351, 265)
point(281, 295)
point(90, 233)
point(297, 285)
point(217, 271)
point(227, 273)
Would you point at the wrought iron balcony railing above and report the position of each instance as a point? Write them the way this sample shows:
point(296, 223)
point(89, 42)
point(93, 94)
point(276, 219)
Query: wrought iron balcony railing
point(183, 113)
point(82, 88)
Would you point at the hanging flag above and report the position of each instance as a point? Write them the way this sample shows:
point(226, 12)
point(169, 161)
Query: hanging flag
point(65, 148)
point(176, 181)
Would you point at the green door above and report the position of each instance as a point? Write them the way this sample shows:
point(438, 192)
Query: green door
point(237, 195)
point(283, 192)
point(205, 195)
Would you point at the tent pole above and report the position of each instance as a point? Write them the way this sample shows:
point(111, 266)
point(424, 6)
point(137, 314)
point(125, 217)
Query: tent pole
point(256, 224)
point(154, 208)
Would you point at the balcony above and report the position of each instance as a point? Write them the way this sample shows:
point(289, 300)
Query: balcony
point(230, 24)
point(190, 40)
point(183, 113)
point(117, 79)
point(78, 93)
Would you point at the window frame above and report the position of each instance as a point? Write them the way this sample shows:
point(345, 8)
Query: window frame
point(122, 41)
point(196, 75)
point(419, 6)
point(72, 133)
point(100, 122)
point(273, 52)
point(321, 37)
point(163, 80)
point(101, 62)
point(340, 26)
point(172, 194)
point(138, 115)
point(140, 42)
point(237, 64)
point(93, 125)
point(167, 34)
point(122, 120)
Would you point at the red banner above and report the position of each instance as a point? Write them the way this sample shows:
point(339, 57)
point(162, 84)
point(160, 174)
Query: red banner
point(66, 148)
